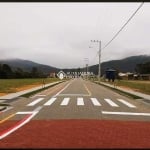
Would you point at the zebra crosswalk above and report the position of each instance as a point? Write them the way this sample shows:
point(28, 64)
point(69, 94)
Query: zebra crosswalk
point(49, 102)
point(95, 102)
point(111, 103)
point(80, 101)
point(35, 102)
point(65, 101)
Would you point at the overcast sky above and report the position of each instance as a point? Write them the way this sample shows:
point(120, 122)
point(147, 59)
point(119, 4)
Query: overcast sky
point(59, 34)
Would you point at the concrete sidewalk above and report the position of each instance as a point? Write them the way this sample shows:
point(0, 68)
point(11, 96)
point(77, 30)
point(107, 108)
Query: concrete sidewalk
point(17, 94)
point(142, 95)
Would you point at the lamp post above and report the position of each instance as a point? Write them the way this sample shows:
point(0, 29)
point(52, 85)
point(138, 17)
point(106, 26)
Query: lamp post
point(99, 68)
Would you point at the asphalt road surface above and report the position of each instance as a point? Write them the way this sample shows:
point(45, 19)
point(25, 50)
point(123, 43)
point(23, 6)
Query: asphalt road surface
point(76, 114)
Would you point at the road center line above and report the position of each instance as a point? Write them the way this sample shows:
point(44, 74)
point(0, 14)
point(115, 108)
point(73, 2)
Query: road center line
point(89, 93)
point(10, 116)
point(63, 89)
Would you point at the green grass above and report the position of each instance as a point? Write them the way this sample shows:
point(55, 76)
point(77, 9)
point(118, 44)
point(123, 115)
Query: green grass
point(122, 92)
point(139, 86)
point(37, 91)
point(9, 85)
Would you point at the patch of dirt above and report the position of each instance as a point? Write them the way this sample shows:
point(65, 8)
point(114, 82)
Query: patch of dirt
point(2, 94)
point(128, 88)
point(26, 87)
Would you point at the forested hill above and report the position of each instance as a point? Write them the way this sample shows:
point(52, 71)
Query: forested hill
point(128, 64)
point(123, 65)
point(27, 65)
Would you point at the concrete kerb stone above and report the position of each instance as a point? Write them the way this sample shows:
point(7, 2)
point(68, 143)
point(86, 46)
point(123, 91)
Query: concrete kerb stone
point(17, 94)
point(2, 108)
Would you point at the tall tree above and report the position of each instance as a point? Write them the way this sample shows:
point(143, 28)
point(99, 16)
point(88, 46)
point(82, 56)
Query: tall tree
point(6, 71)
point(143, 68)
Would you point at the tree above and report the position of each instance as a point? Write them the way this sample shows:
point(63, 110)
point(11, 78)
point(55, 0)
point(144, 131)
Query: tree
point(19, 73)
point(34, 72)
point(6, 71)
point(143, 68)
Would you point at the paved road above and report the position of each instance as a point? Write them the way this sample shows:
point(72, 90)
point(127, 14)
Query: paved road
point(70, 113)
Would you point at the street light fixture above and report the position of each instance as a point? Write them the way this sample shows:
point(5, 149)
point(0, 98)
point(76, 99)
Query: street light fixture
point(99, 68)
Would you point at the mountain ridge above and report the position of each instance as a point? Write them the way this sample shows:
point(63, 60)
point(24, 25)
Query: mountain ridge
point(127, 64)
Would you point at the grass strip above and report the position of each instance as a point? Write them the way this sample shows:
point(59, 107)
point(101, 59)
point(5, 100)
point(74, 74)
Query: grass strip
point(39, 90)
point(121, 92)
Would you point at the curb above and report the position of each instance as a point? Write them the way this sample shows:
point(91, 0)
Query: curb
point(17, 94)
point(125, 91)
point(2, 108)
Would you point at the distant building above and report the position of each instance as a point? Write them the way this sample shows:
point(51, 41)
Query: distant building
point(52, 75)
point(110, 74)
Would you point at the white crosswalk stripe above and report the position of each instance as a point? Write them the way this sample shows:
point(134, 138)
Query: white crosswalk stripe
point(49, 102)
point(80, 101)
point(35, 102)
point(95, 102)
point(126, 103)
point(65, 101)
point(110, 102)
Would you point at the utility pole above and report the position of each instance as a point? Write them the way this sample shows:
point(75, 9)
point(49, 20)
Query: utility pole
point(86, 66)
point(99, 67)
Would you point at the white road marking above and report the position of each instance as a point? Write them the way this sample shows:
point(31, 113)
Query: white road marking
point(50, 101)
point(23, 122)
point(35, 102)
point(65, 101)
point(110, 102)
point(89, 93)
point(63, 89)
point(8, 108)
point(73, 95)
point(95, 102)
point(80, 101)
point(24, 112)
point(126, 113)
point(126, 103)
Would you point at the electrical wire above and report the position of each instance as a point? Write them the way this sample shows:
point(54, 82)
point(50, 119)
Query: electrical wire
point(123, 25)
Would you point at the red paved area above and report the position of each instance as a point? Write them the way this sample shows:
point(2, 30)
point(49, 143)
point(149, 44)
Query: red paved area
point(80, 134)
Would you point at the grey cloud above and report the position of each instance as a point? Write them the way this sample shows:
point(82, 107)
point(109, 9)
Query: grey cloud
point(59, 34)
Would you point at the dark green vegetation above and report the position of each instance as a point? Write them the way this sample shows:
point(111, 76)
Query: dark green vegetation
point(6, 72)
point(139, 64)
point(129, 64)
point(24, 69)
point(143, 68)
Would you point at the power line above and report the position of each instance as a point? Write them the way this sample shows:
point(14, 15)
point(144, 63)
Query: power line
point(124, 25)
